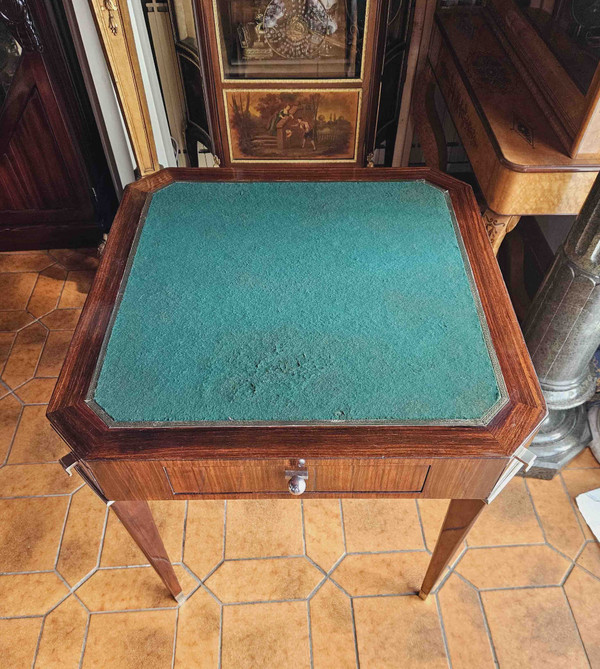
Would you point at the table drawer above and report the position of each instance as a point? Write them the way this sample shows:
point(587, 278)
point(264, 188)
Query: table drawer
point(390, 475)
point(470, 478)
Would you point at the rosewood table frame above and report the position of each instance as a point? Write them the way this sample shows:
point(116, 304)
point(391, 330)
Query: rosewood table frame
point(129, 464)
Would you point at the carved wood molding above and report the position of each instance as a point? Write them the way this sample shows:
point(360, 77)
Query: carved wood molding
point(116, 35)
point(15, 15)
point(498, 226)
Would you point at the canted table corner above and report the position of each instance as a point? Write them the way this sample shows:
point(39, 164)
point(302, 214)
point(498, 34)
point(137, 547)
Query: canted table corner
point(324, 332)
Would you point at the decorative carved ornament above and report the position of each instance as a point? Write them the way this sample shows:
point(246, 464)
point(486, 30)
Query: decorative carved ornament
point(15, 15)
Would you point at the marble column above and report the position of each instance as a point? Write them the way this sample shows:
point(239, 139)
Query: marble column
point(562, 331)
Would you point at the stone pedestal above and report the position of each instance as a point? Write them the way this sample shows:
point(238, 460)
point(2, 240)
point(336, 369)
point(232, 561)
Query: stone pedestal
point(562, 331)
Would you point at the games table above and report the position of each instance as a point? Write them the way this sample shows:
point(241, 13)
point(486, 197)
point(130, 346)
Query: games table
point(328, 332)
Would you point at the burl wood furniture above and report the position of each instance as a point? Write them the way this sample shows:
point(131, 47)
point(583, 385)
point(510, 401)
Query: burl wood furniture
point(331, 333)
point(522, 86)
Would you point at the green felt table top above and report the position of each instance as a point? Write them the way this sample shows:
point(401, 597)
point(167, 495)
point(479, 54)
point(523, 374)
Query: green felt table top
point(296, 302)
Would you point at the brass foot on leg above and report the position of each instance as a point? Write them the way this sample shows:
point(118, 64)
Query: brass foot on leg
point(423, 595)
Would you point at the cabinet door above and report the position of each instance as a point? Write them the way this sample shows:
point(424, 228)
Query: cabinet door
point(295, 81)
point(45, 197)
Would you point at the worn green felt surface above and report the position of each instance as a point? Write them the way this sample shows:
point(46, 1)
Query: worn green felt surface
point(297, 301)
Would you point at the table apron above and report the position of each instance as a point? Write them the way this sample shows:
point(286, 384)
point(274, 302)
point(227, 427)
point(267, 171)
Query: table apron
point(442, 478)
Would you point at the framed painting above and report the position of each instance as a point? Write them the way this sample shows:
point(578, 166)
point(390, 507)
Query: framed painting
point(300, 125)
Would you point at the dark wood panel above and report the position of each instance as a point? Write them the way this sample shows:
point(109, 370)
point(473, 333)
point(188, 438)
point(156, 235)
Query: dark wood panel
point(46, 197)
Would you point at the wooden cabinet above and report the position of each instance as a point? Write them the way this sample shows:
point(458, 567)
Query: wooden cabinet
point(293, 82)
point(55, 189)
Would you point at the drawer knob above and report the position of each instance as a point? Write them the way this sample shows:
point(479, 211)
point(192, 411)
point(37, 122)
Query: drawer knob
point(297, 485)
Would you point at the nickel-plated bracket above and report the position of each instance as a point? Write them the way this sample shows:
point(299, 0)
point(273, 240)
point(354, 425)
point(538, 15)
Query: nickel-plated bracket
point(519, 459)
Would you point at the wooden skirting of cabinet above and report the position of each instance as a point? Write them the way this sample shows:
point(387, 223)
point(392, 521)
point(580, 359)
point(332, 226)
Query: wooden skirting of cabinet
point(332, 477)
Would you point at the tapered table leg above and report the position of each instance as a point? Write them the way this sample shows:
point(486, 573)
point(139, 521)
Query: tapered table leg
point(138, 521)
point(461, 515)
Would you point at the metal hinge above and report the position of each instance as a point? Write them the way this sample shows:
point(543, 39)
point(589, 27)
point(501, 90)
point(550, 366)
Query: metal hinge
point(520, 458)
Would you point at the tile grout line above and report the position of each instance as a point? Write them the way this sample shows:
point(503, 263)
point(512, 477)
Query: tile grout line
point(303, 527)
point(64, 527)
point(568, 602)
point(175, 637)
point(442, 629)
point(184, 533)
point(354, 633)
point(573, 504)
point(85, 638)
point(39, 640)
point(421, 525)
point(310, 642)
point(343, 526)
point(487, 626)
point(14, 434)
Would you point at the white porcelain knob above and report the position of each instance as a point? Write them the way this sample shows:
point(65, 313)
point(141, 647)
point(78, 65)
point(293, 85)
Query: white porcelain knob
point(297, 485)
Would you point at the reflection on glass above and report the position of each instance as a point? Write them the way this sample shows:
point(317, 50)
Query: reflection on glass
point(10, 54)
point(571, 28)
point(184, 22)
point(291, 39)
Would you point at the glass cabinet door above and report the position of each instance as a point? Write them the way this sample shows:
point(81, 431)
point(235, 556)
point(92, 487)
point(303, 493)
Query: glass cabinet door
point(290, 39)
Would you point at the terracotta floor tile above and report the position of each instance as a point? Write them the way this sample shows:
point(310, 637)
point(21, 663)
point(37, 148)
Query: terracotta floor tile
point(323, 531)
point(46, 291)
point(18, 641)
point(30, 261)
point(25, 480)
point(198, 632)
point(510, 519)
point(131, 588)
point(4, 389)
point(264, 580)
point(579, 481)
point(382, 573)
point(590, 558)
point(557, 515)
point(511, 567)
point(30, 594)
point(204, 536)
point(270, 636)
point(35, 440)
point(134, 640)
point(432, 512)
point(25, 354)
point(54, 353)
point(331, 629)
point(585, 460)
point(76, 258)
point(394, 632)
point(263, 528)
point(30, 531)
point(76, 289)
point(83, 533)
point(533, 628)
point(11, 321)
point(468, 642)
point(36, 391)
point(381, 525)
point(10, 411)
point(6, 343)
point(61, 643)
point(15, 290)
point(583, 592)
point(119, 548)
point(62, 319)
